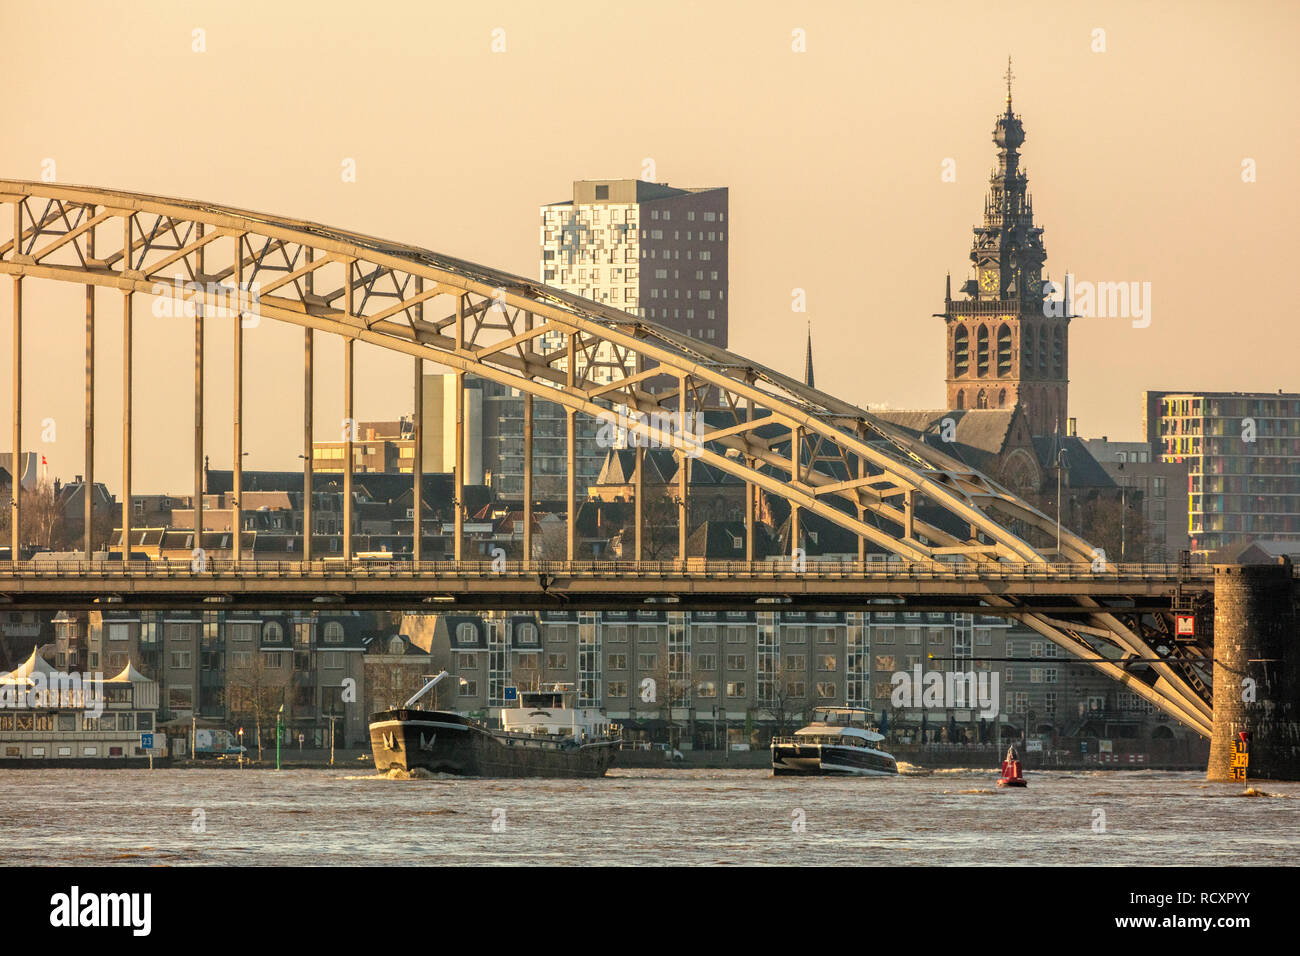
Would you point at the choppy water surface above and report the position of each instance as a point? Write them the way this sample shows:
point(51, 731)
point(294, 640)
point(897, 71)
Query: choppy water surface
point(642, 817)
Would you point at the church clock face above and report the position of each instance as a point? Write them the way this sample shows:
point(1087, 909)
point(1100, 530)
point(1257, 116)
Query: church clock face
point(988, 281)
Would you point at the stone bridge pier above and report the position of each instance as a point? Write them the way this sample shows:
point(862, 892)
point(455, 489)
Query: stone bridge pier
point(1256, 670)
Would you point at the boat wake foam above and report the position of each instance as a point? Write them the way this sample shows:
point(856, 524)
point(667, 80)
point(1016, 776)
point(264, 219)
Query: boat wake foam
point(419, 773)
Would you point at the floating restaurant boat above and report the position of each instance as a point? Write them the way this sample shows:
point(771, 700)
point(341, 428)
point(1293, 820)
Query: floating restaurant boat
point(50, 718)
point(542, 736)
point(838, 742)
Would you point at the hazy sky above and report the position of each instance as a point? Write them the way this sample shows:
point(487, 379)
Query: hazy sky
point(833, 157)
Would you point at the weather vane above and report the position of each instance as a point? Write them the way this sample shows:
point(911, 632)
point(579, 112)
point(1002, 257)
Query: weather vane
point(1010, 76)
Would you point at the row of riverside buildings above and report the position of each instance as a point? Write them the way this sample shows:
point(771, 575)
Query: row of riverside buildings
point(696, 680)
point(1214, 476)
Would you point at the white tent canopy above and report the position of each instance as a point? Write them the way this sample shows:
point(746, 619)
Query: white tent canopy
point(22, 674)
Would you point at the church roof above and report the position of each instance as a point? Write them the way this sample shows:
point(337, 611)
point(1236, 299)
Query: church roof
point(978, 435)
point(1082, 470)
point(725, 541)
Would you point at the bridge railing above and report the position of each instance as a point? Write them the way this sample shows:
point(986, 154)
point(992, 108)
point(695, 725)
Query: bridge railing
point(692, 567)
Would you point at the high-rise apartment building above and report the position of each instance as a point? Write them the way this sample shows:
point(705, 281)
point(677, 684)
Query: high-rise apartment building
point(503, 446)
point(650, 249)
point(1242, 451)
point(439, 413)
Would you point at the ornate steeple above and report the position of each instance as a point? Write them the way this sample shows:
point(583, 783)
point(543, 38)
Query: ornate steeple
point(1003, 348)
point(1008, 249)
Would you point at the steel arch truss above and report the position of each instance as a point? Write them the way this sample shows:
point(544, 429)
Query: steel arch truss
point(822, 455)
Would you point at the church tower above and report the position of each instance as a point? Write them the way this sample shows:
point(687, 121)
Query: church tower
point(1003, 349)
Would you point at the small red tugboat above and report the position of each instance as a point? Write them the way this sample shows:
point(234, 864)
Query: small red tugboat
point(1011, 772)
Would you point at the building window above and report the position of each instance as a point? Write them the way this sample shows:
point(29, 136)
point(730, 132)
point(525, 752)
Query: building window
point(735, 689)
point(333, 632)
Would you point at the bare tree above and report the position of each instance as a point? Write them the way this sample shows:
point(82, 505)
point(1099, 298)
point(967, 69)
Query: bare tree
point(256, 691)
point(388, 684)
point(1117, 528)
point(674, 687)
point(552, 544)
point(43, 518)
point(778, 702)
point(660, 528)
point(1101, 517)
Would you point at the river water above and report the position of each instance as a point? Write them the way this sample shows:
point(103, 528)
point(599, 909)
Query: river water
point(642, 817)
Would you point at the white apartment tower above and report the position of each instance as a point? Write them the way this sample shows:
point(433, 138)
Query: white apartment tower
point(650, 249)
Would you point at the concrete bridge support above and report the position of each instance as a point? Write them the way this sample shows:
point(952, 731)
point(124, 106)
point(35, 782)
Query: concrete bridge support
point(1256, 671)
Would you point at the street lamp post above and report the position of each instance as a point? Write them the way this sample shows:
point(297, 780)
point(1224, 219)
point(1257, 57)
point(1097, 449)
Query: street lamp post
point(1060, 465)
point(1123, 522)
point(279, 718)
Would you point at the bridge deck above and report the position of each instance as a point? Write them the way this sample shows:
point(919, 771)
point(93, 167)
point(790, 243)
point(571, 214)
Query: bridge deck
point(586, 584)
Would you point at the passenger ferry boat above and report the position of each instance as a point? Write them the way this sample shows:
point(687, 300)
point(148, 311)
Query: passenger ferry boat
point(542, 736)
point(51, 718)
point(838, 741)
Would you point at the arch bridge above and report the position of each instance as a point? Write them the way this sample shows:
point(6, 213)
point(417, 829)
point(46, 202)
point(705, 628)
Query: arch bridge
point(821, 455)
